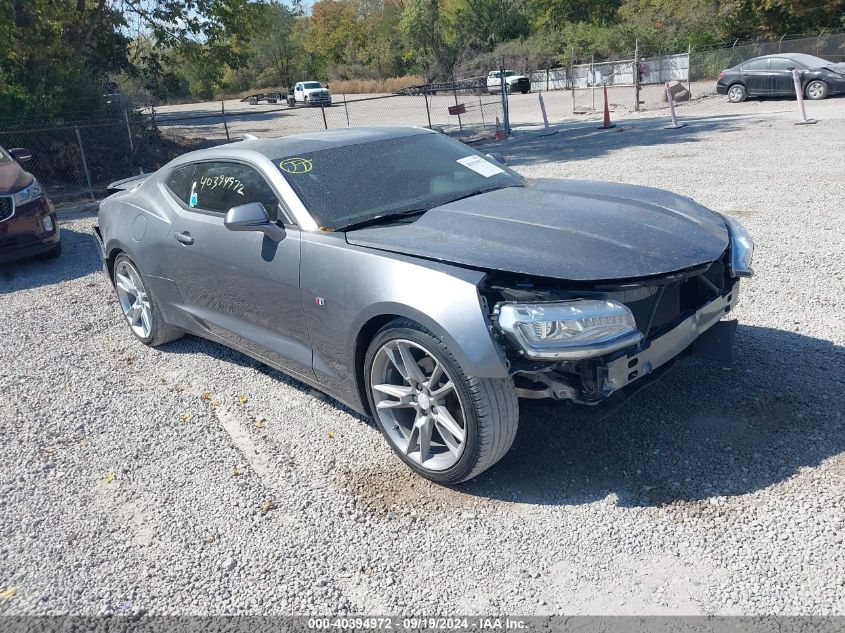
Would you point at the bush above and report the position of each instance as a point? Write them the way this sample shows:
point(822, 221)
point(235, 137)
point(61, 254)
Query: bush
point(362, 86)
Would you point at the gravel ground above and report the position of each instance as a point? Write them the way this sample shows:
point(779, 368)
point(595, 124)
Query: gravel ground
point(193, 480)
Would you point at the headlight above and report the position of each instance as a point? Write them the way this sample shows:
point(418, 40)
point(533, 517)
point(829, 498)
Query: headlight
point(582, 328)
point(742, 249)
point(32, 192)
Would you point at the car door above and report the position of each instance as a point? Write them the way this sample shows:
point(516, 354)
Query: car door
point(756, 77)
point(781, 70)
point(241, 286)
point(299, 93)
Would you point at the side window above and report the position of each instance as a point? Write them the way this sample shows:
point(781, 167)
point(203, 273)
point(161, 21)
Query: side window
point(781, 63)
point(179, 182)
point(219, 186)
point(756, 64)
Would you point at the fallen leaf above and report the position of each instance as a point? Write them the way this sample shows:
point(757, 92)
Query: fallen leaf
point(260, 423)
point(128, 360)
point(331, 435)
point(50, 450)
point(9, 593)
point(185, 417)
point(110, 478)
point(267, 506)
point(236, 472)
point(205, 395)
point(243, 399)
point(215, 403)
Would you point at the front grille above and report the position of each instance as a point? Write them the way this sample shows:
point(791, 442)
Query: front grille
point(7, 208)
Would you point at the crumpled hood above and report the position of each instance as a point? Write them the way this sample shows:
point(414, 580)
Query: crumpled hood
point(572, 230)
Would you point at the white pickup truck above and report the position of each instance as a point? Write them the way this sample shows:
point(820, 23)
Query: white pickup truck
point(513, 82)
point(310, 93)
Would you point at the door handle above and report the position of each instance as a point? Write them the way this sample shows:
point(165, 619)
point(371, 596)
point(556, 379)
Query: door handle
point(184, 238)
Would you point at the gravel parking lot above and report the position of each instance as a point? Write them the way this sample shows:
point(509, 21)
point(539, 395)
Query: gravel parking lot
point(191, 480)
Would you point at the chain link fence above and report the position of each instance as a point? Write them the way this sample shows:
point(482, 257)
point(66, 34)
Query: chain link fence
point(584, 80)
point(708, 64)
point(80, 158)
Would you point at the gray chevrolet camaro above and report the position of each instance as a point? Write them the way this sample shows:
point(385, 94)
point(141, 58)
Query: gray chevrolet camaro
point(421, 282)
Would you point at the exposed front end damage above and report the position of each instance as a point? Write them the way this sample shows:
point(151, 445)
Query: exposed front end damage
point(676, 315)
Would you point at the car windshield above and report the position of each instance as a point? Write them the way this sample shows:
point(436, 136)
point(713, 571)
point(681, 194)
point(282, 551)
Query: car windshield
point(312, 84)
point(811, 61)
point(358, 183)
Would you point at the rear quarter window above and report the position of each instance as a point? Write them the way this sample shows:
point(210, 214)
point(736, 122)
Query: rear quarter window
point(179, 182)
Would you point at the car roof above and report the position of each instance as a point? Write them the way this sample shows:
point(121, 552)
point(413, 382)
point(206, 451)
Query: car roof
point(804, 58)
point(289, 146)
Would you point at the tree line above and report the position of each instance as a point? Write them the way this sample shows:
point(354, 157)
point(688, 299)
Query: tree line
point(58, 58)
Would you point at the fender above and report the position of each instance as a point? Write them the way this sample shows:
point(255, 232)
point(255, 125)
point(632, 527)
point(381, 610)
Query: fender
point(405, 287)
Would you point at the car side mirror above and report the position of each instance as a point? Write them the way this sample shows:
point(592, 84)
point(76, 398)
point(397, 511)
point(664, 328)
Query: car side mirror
point(20, 154)
point(253, 217)
point(498, 158)
point(790, 68)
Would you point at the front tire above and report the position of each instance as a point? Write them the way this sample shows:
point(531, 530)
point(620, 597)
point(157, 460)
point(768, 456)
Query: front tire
point(139, 306)
point(447, 426)
point(816, 90)
point(737, 93)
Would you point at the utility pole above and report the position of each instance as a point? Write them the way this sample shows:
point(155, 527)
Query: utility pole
point(637, 75)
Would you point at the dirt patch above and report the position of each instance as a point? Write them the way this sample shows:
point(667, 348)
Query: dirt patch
point(392, 488)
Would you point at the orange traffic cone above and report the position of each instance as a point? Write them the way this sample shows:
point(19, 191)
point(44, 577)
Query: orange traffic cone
point(607, 124)
point(500, 133)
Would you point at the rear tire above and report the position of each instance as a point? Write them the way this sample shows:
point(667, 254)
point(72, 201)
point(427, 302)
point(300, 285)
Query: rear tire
point(816, 90)
point(737, 93)
point(469, 422)
point(139, 306)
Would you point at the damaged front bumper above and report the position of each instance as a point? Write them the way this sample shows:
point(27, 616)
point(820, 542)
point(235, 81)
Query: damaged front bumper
point(622, 371)
point(607, 382)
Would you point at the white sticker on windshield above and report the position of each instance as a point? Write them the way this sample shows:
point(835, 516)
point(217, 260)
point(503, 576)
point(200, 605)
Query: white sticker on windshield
point(481, 166)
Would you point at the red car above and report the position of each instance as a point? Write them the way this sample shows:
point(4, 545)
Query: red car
point(28, 225)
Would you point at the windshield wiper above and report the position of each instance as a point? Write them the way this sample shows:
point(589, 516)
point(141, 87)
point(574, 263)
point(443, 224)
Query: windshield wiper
point(386, 218)
point(475, 192)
